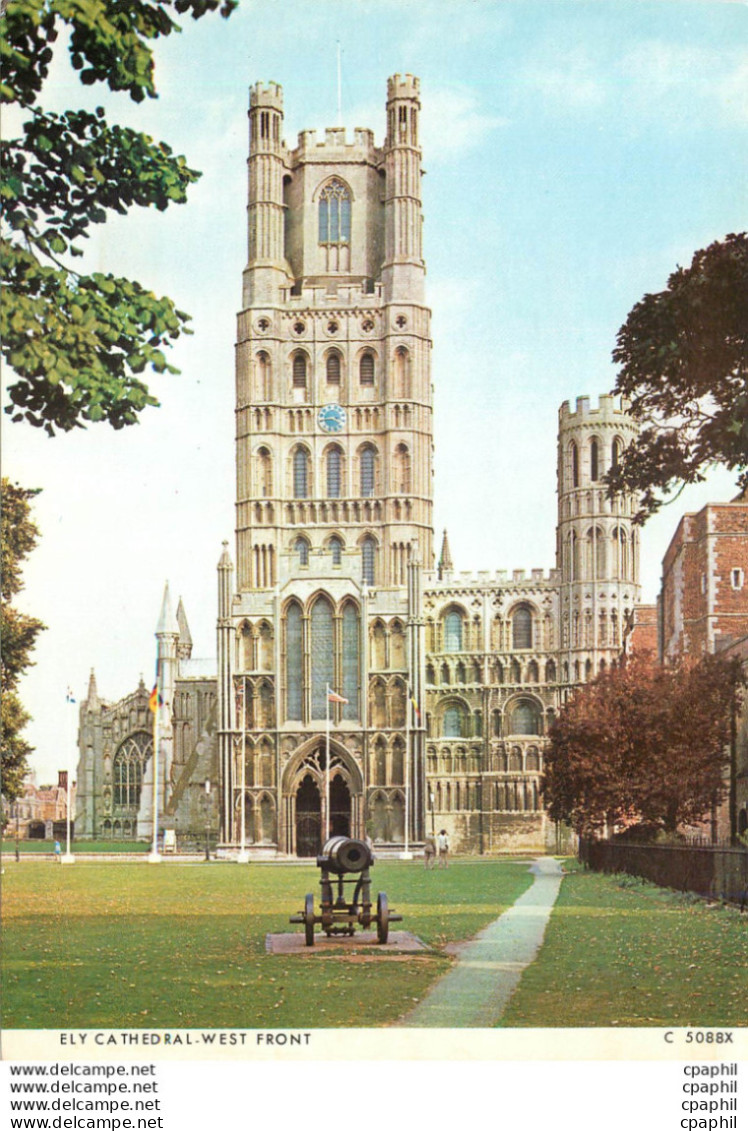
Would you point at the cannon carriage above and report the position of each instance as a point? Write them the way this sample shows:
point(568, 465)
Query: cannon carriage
point(345, 861)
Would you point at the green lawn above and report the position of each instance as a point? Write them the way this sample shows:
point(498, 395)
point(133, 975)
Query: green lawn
point(621, 951)
point(133, 945)
point(78, 847)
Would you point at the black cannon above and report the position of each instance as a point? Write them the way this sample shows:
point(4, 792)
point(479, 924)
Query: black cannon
point(345, 861)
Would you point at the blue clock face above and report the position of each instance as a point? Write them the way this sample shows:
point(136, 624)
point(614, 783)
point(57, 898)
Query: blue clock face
point(331, 418)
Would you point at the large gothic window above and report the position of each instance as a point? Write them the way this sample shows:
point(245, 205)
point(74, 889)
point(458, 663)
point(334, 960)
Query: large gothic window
point(351, 660)
point(322, 655)
point(453, 631)
point(294, 665)
point(334, 461)
point(522, 628)
point(301, 474)
point(335, 213)
point(128, 770)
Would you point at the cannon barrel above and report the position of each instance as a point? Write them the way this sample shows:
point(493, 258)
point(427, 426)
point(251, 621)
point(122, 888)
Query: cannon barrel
point(343, 854)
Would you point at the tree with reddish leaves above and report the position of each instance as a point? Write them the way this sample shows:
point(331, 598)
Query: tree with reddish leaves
point(643, 745)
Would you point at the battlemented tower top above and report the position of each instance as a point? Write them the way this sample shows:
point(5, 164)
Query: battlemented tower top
point(608, 405)
point(403, 86)
point(266, 94)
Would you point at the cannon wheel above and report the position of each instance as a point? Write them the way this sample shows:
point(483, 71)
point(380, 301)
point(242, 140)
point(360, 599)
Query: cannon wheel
point(309, 919)
point(383, 918)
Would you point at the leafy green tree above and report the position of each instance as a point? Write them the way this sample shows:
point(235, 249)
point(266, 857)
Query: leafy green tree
point(18, 632)
point(80, 343)
point(683, 354)
point(643, 745)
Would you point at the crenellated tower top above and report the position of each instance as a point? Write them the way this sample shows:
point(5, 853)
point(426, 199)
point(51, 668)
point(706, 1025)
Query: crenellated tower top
point(268, 95)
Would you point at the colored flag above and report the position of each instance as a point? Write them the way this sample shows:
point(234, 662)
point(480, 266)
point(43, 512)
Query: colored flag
point(415, 708)
point(155, 701)
point(333, 698)
point(70, 698)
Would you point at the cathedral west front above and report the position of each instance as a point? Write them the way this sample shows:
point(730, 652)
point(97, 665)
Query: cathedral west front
point(444, 685)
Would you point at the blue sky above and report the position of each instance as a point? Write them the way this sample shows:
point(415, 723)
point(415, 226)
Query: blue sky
point(574, 152)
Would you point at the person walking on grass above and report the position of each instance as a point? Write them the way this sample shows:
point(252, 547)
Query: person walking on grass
point(58, 852)
point(429, 853)
point(442, 848)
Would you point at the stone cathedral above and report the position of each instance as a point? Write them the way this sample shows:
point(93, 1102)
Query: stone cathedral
point(450, 680)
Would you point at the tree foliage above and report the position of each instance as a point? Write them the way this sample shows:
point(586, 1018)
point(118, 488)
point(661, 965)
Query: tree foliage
point(643, 744)
point(684, 367)
point(79, 343)
point(18, 632)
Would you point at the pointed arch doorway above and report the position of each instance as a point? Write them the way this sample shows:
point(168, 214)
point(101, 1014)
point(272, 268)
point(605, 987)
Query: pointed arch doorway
point(305, 793)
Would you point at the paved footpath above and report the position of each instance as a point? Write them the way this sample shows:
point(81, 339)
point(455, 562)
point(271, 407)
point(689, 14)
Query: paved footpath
point(489, 967)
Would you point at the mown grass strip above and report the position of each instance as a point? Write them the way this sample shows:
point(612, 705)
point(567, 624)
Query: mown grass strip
point(619, 951)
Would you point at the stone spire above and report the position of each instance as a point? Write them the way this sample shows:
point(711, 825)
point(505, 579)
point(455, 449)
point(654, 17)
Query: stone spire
point(184, 645)
point(92, 699)
point(445, 558)
point(167, 622)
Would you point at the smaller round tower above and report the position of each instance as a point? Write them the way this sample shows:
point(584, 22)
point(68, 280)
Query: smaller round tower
point(403, 268)
point(597, 545)
point(266, 166)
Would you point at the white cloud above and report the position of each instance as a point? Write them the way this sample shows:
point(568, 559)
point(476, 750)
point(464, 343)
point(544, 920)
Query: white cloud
point(453, 123)
point(567, 79)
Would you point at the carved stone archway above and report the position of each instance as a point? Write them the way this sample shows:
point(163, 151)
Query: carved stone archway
point(304, 792)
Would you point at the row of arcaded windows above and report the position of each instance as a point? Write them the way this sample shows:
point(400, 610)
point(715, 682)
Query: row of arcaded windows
point(595, 459)
point(301, 368)
point(368, 466)
point(598, 556)
point(453, 629)
point(472, 673)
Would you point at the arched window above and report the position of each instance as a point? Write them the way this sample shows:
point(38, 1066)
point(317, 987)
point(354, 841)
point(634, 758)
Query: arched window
point(368, 466)
point(128, 769)
point(293, 662)
point(368, 560)
point(332, 368)
point(452, 721)
point(453, 631)
point(616, 451)
point(522, 628)
point(299, 370)
point(351, 660)
point(335, 546)
point(621, 549)
point(402, 469)
point(301, 474)
point(264, 472)
point(366, 369)
point(322, 644)
point(550, 672)
point(402, 373)
point(263, 372)
point(594, 460)
point(596, 556)
point(301, 547)
point(525, 718)
point(574, 454)
point(335, 213)
point(334, 461)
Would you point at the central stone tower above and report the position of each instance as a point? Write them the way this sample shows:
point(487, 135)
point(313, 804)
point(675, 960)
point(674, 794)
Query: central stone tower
point(334, 475)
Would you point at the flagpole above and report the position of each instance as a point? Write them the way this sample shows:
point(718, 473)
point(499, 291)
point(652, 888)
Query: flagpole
point(68, 858)
point(327, 762)
point(406, 855)
point(243, 856)
point(154, 857)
